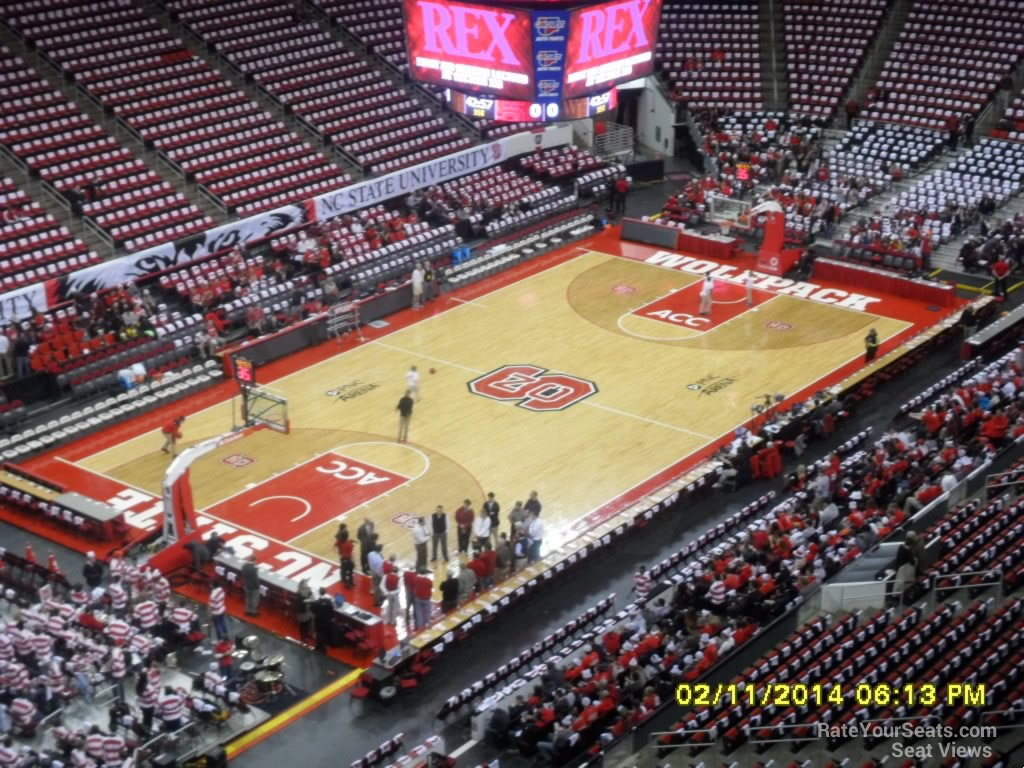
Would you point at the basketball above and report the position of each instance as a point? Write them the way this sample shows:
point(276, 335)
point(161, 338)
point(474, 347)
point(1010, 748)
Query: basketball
point(433, 371)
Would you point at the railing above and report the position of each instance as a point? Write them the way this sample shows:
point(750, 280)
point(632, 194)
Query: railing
point(615, 141)
point(141, 750)
point(967, 574)
point(994, 487)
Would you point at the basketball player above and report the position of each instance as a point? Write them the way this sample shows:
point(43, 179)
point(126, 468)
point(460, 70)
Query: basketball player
point(705, 295)
point(412, 382)
point(750, 289)
point(172, 434)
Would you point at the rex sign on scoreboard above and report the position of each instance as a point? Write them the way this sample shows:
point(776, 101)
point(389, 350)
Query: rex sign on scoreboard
point(537, 55)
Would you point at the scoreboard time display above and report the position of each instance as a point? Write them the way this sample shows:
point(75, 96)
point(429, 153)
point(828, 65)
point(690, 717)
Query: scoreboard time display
point(546, 53)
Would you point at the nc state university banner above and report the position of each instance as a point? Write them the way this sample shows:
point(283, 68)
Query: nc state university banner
point(407, 180)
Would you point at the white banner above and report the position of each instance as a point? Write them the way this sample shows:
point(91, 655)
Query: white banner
point(408, 180)
point(24, 302)
point(181, 252)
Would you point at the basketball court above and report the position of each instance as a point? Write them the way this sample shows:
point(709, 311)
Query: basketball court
point(592, 381)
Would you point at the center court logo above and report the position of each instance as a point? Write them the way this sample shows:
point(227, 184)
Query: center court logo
point(533, 387)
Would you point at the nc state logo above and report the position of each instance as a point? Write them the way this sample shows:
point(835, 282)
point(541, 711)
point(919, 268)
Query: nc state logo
point(496, 151)
point(547, 26)
point(549, 58)
point(533, 387)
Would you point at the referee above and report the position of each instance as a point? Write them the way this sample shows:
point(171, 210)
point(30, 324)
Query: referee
point(404, 415)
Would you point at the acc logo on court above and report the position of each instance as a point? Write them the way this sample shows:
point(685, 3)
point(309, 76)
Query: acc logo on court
point(533, 387)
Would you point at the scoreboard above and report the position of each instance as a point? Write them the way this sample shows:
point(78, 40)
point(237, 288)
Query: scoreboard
point(545, 55)
point(510, 111)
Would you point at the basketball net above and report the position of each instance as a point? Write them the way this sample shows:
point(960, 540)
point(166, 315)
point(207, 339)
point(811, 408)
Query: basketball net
point(725, 225)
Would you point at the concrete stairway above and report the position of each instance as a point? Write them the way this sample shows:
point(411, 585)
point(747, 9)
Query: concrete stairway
point(463, 125)
point(945, 256)
point(879, 52)
point(775, 83)
point(250, 89)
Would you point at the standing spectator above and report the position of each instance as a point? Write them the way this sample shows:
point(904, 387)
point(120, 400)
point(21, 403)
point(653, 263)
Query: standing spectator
point(953, 128)
point(968, 130)
point(365, 533)
point(533, 505)
point(22, 345)
point(516, 518)
point(493, 510)
point(404, 409)
point(481, 529)
point(503, 557)
point(621, 191)
point(118, 669)
point(642, 583)
point(409, 583)
point(870, 345)
point(92, 571)
point(424, 591)
point(852, 110)
point(392, 584)
point(828, 221)
point(345, 546)
point(304, 611)
point(535, 536)
point(323, 620)
point(218, 611)
point(251, 586)
point(420, 537)
point(1000, 272)
point(172, 709)
point(464, 517)
point(449, 593)
point(376, 561)
point(439, 529)
point(417, 285)
point(429, 282)
point(613, 193)
point(6, 360)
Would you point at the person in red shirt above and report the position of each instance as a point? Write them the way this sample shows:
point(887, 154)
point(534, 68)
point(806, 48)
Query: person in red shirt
point(464, 517)
point(345, 547)
point(619, 199)
point(172, 434)
point(1000, 271)
point(479, 569)
point(423, 591)
point(490, 560)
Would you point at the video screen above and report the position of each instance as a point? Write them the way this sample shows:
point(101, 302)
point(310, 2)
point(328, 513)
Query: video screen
point(472, 48)
point(610, 43)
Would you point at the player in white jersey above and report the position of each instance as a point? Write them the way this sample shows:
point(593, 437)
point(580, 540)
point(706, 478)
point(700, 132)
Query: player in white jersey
point(705, 295)
point(412, 382)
